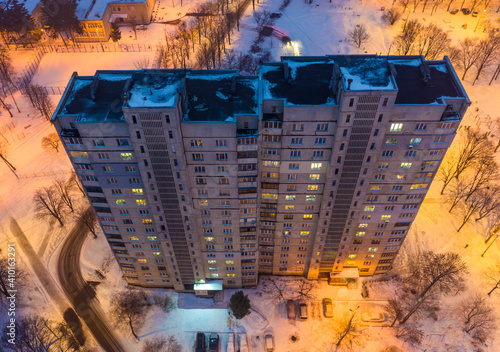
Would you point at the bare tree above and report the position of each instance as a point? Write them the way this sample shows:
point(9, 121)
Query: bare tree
point(410, 333)
point(436, 5)
point(432, 42)
point(129, 309)
point(35, 333)
point(492, 276)
point(63, 188)
point(359, 35)
point(489, 50)
point(7, 75)
point(431, 273)
point(3, 156)
point(392, 16)
point(404, 3)
point(51, 142)
point(469, 207)
point(48, 203)
point(87, 217)
point(394, 308)
point(40, 100)
point(346, 330)
point(407, 39)
point(478, 318)
point(75, 183)
point(472, 146)
point(457, 194)
point(142, 63)
point(470, 52)
point(162, 344)
point(280, 289)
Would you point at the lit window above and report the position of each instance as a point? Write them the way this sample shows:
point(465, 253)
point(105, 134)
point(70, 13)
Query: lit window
point(307, 216)
point(152, 238)
point(126, 156)
point(158, 254)
point(209, 239)
point(363, 225)
point(405, 165)
point(310, 198)
point(147, 221)
point(229, 262)
point(289, 207)
point(141, 202)
point(352, 256)
point(137, 191)
point(419, 186)
point(360, 234)
point(369, 208)
point(415, 141)
point(290, 197)
point(79, 154)
point(372, 249)
point(196, 143)
point(212, 261)
point(134, 238)
point(314, 177)
point(375, 188)
point(401, 177)
point(316, 166)
point(396, 127)
point(121, 202)
point(386, 217)
point(203, 202)
point(312, 187)
point(391, 141)
point(142, 260)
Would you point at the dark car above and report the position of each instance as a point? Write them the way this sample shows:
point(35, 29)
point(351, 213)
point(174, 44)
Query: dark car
point(213, 346)
point(200, 342)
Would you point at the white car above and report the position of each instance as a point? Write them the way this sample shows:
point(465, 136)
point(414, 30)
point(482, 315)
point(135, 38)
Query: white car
point(268, 341)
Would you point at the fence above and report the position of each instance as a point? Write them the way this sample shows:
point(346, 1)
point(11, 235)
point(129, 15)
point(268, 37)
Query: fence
point(43, 174)
point(93, 48)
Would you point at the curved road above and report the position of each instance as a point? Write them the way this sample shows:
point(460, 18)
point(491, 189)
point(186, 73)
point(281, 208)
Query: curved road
point(81, 295)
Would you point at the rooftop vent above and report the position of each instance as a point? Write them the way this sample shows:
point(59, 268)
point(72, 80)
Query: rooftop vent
point(349, 81)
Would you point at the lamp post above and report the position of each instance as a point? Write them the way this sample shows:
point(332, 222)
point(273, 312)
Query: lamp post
point(406, 21)
point(479, 20)
point(99, 39)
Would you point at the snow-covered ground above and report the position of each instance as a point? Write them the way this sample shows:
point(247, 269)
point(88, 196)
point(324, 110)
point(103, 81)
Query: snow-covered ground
point(317, 29)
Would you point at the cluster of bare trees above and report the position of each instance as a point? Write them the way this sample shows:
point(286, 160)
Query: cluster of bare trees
point(473, 5)
point(130, 307)
point(427, 40)
point(57, 200)
point(425, 276)
point(470, 173)
point(210, 30)
point(36, 333)
point(51, 142)
point(477, 316)
point(40, 100)
point(480, 54)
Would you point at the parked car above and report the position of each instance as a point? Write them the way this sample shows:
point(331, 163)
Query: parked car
point(243, 343)
point(213, 345)
point(465, 11)
point(475, 14)
point(364, 291)
point(290, 305)
point(327, 308)
point(454, 12)
point(230, 342)
point(200, 342)
point(373, 317)
point(269, 341)
point(302, 310)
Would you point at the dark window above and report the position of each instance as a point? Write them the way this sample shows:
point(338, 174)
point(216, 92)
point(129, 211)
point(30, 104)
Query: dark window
point(342, 146)
point(138, 134)
point(142, 149)
point(375, 133)
point(351, 102)
point(170, 134)
point(344, 134)
point(134, 120)
point(167, 118)
point(348, 118)
point(386, 100)
point(380, 117)
point(372, 146)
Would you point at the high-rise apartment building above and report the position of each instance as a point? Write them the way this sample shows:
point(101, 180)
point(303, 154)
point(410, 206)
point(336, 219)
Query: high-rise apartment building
point(315, 165)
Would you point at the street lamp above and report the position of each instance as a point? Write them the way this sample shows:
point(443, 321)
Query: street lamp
point(479, 20)
point(99, 39)
point(406, 21)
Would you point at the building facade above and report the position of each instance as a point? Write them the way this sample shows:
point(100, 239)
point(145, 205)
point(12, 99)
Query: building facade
point(316, 167)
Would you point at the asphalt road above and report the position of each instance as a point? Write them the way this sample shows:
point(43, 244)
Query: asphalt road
point(81, 295)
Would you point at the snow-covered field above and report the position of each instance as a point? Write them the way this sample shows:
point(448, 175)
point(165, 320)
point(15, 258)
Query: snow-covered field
point(317, 29)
